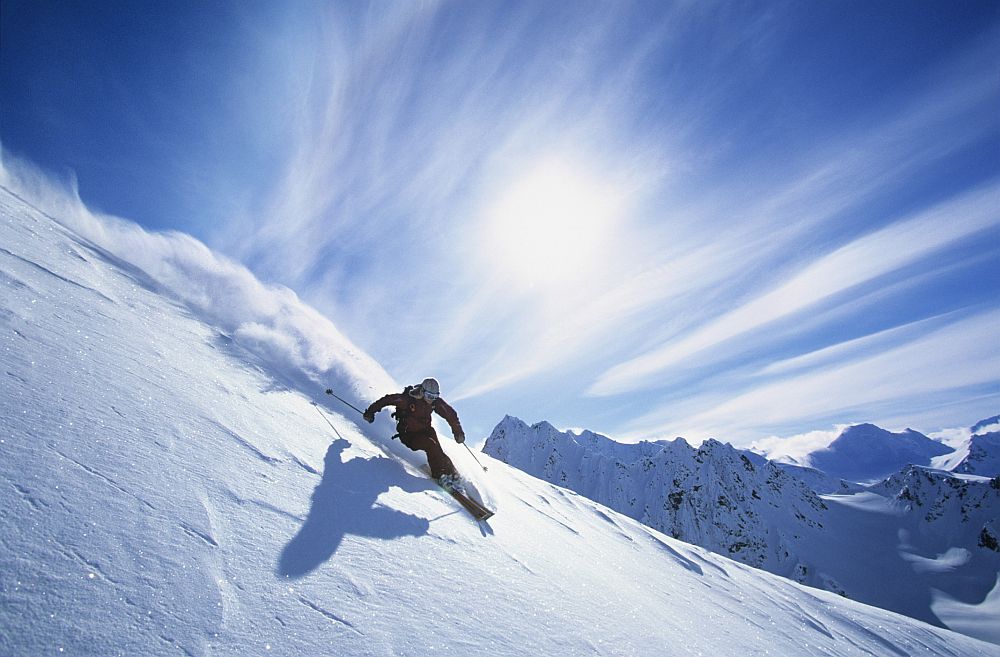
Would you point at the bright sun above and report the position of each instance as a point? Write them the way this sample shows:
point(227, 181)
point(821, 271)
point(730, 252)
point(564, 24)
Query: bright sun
point(550, 224)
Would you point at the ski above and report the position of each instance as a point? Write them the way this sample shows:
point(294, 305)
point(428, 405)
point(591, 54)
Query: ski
point(474, 507)
point(478, 511)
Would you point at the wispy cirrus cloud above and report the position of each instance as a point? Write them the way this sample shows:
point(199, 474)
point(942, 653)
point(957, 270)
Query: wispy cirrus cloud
point(901, 243)
point(945, 363)
point(412, 124)
point(667, 286)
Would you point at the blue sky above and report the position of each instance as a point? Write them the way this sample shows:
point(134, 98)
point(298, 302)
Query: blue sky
point(653, 219)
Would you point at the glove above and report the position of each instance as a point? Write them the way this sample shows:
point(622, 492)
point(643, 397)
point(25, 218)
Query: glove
point(460, 438)
point(369, 416)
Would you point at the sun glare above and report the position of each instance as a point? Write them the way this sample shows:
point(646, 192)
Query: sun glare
point(550, 224)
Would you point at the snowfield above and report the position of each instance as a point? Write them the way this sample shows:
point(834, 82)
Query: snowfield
point(169, 486)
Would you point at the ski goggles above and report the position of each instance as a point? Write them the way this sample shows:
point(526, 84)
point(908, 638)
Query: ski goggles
point(431, 396)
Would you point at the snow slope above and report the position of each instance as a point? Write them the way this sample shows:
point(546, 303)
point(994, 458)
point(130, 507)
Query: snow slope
point(914, 544)
point(167, 487)
point(920, 546)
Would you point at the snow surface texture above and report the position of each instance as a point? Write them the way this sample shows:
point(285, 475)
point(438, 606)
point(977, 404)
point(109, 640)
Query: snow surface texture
point(167, 489)
point(920, 546)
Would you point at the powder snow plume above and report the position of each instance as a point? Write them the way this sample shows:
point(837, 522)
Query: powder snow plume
point(294, 340)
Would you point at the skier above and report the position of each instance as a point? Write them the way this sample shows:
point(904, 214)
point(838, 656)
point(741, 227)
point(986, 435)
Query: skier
point(413, 422)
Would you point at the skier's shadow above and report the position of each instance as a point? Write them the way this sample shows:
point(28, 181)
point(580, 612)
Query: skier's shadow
point(344, 503)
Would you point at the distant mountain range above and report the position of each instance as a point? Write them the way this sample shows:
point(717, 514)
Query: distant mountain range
point(865, 453)
point(920, 541)
point(735, 503)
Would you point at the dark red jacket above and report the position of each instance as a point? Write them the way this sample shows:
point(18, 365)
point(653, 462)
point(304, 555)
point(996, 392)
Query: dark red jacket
point(416, 413)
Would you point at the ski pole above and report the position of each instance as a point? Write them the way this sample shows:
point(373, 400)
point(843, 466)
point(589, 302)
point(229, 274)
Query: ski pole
point(485, 469)
point(328, 421)
point(330, 392)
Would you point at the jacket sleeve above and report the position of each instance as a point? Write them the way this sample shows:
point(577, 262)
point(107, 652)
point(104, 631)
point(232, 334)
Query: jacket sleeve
point(448, 413)
point(388, 400)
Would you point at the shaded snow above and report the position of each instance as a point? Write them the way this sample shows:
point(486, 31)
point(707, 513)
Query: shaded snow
point(819, 481)
point(865, 453)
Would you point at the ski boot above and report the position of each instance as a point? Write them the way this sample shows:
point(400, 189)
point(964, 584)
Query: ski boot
point(452, 482)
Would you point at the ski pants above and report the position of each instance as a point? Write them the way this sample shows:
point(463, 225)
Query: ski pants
point(426, 440)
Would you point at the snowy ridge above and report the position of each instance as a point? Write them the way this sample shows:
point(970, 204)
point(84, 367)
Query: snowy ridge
point(934, 494)
point(172, 495)
point(818, 481)
point(731, 502)
point(858, 543)
point(982, 451)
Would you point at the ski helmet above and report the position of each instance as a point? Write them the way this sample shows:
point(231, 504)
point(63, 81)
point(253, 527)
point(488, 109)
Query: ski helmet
point(431, 389)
